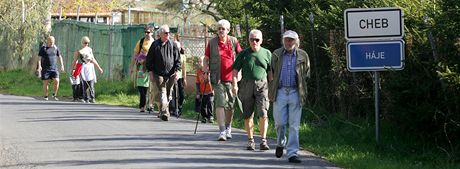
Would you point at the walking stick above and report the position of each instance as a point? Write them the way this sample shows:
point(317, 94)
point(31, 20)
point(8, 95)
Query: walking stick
point(177, 98)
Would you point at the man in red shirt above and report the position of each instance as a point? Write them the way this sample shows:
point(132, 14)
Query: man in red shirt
point(220, 55)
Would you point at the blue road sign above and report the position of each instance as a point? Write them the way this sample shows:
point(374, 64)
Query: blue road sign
point(375, 55)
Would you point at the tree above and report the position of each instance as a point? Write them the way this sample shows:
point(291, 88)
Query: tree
point(21, 37)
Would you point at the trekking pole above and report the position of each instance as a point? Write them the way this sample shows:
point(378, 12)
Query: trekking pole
point(201, 104)
point(177, 98)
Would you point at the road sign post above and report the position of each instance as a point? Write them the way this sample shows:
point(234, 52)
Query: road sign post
point(375, 43)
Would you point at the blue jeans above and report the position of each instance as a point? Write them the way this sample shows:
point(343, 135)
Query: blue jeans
point(286, 109)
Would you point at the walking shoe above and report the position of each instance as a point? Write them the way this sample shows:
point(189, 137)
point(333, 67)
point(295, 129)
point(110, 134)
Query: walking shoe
point(294, 159)
point(92, 100)
point(149, 109)
point(222, 136)
point(45, 98)
point(251, 145)
point(279, 151)
point(203, 120)
point(228, 133)
point(264, 145)
point(142, 110)
point(54, 97)
point(164, 117)
point(210, 120)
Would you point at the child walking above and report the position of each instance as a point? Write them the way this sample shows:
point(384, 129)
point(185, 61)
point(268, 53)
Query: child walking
point(205, 94)
point(142, 80)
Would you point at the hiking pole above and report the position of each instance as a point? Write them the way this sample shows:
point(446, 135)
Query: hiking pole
point(176, 92)
point(201, 104)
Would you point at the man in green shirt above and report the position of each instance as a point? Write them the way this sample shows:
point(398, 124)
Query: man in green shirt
point(254, 63)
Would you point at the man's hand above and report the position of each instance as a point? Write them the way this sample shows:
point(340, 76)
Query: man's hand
point(235, 89)
point(100, 70)
point(62, 68)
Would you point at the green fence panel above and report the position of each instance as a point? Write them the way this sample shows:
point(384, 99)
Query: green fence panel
point(112, 44)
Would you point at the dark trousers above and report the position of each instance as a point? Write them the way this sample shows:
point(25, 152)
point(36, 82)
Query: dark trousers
point(77, 91)
point(178, 96)
point(88, 90)
point(206, 105)
point(142, 95)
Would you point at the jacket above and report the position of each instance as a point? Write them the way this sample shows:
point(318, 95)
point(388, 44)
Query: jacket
point(302, 73)
point(163, 59)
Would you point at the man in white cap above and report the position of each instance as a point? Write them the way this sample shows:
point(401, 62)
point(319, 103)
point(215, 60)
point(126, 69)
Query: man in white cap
point(288, 92)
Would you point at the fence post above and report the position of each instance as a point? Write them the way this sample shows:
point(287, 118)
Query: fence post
point(78, 13)
point(110, 53)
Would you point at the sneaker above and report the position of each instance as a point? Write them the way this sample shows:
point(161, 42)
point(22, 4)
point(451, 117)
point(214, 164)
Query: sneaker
point(294, 159)
point(164, 117)
point(264, 145)
point(211, 120)
point(279, 152)
point(222, 136)
point(142, 110)
point(149, 109)
point(229, 133)
point(45, 98)
point(203, 120)
point(251, 145)
point(92, 100)
point(55, 98)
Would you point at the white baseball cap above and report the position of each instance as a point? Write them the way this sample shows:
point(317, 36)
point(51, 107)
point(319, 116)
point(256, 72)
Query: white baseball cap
point(290, 34)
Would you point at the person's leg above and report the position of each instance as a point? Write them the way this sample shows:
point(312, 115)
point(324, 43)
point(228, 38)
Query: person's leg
point(92, 91)
point(45, 89)
point(163, 97)
point(229, 102)
point(219, 103)
point(55, 82)
point(203, 107)
point(210, 107)
point(152, 95)
point(142, 97)
point(262, 104)
point(295, 112)
point(181, 94)
point(280, 117)
point(74, 92)
point(170, 83)
point(80, 90)
point(84, 90)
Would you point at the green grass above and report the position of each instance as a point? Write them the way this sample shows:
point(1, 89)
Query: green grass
point(346, 143)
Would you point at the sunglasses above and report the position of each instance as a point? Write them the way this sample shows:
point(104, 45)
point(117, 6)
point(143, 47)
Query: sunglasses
point(85, 43)
point(147, 32)
point(254, 39)
point(166, 33)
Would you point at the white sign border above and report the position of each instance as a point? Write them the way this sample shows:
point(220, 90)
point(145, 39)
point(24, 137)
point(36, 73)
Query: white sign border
point(386, 37)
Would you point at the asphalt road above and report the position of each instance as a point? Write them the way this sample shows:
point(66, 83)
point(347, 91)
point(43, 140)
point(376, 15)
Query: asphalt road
point(55, 134)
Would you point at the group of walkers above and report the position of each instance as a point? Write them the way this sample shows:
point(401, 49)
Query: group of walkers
point(83, 70)
point(227, 76)
point(279, 77)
